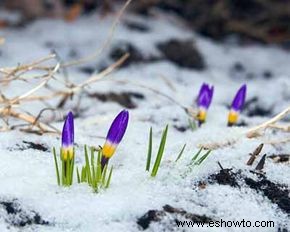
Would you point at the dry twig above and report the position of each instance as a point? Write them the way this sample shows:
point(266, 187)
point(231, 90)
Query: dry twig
point(11, 107)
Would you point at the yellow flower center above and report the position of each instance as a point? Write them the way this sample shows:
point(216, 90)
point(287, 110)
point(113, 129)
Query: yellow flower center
point(67, 153)
point(201, 115)
point(233, 117)
point(108, 150)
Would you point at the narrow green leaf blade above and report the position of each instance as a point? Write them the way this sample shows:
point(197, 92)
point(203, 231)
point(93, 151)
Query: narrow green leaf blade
point(197, 154)
point(160, 153)
point(56, 166)
point(180, 153)
point(149, 154)
point(78, 176)
point(198, 162)
point(88, 168)
point(104, 175)
point(109, 178)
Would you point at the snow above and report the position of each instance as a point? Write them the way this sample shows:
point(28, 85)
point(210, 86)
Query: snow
point(29, 175)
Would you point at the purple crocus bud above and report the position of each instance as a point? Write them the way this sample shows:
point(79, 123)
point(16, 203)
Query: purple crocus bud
point(114, 136)
point(237, 105)
point(67, 149)
point(203, 101)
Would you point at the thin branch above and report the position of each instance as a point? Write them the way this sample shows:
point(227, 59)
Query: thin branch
point(105, 44)
point(254, 132)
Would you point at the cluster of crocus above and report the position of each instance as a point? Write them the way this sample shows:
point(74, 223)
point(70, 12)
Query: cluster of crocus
point(93, 172)
point(204, 100)
point(237, 105)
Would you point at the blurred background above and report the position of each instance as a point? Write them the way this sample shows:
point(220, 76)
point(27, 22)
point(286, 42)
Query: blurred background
point(266, 21)
point(175, 45)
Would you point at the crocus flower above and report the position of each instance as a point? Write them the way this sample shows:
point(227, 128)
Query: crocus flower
point(67, 149)
point(237, 105)
point(114, 136)
point(203, 101)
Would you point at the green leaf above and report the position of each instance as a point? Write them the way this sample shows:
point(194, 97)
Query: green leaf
point(72, 164)
point(84, 174)
point(160, 153)
point(78, 176)
point(198, 162)
point(99, 167)
point(196, 155)
point(180, 153)
point(56, 166)
point(67, 171)
point(62, 172)
point(99, 157)
point(88, 169)
point(149, 154)
point(104, 175)
point(109, 178)
point(92, 161)
point(192, 124)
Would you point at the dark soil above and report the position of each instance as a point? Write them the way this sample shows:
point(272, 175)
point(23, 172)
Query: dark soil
point(30, 145)
point(18, 217)
point(252, 20)
point(181, 128)
point(135, 56)
point(254, 108)
point(87, 70)
point(182, 53)
point(135, 26)
point(125, 99)
point(225, 177)
point(280, 158)
point(159, 215)
point(35, 146)
point(276, 193)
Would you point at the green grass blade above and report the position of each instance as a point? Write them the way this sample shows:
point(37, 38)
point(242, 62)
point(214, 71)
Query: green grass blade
point(196, 155)
point(67, 171)
point(88, 168)
point(93, 161)
point(72, 164)
point(192, 124)
point(99, 173)
point(109, 178)
point(180, 153)
point(63, 171)
point(160, 153)
point(99, 167)
point(198, 162)
point(104, 175)
point(99, 157)
point(83, 174)
point(78, 176)
point(149, 154)
point(56, 166)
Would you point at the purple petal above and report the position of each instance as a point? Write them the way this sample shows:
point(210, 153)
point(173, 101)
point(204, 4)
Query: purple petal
point(239, 99)
point(205, 96)
point(68, 131)
point(118, 127)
